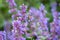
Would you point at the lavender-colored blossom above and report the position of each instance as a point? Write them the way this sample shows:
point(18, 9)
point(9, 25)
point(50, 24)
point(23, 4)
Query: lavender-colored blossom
point(12, 10)
point(33, 23)
point(16, 24)
point(22, 38)
point(23, 8)
point(34, 11)
point(2, 35)
point(42, 7)
point(54, 5)
point(15, 16)
point(11, 3)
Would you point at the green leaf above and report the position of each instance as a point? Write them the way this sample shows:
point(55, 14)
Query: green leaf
point(0, 1)
point(28, 38)
point(1, 20)
point(49, 15)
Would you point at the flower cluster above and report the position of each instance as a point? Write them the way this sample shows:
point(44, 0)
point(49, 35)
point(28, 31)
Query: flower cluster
point(31, 24)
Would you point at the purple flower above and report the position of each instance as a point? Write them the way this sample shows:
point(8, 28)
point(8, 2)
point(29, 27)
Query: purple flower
point(23, 8)
point(15, 16)
point(12, 10)
point(16, 24)
point(25, 23)
point(57, 30)
point(54, 5)
point(2, 35)
point(34, 11)
point(11, 3)
point(22, 38)
point(42, 7)
point(55, 38)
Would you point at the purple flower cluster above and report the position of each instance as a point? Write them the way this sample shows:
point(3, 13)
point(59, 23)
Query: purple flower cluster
point(55, 26)
point(12, 3)
point(2, 35)
point(33, 23)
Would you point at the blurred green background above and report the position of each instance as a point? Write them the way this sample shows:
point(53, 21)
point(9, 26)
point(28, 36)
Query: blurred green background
point(4, 7)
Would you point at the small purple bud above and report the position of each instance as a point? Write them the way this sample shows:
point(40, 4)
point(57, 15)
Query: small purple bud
point(12, 10)
point(23, 8)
